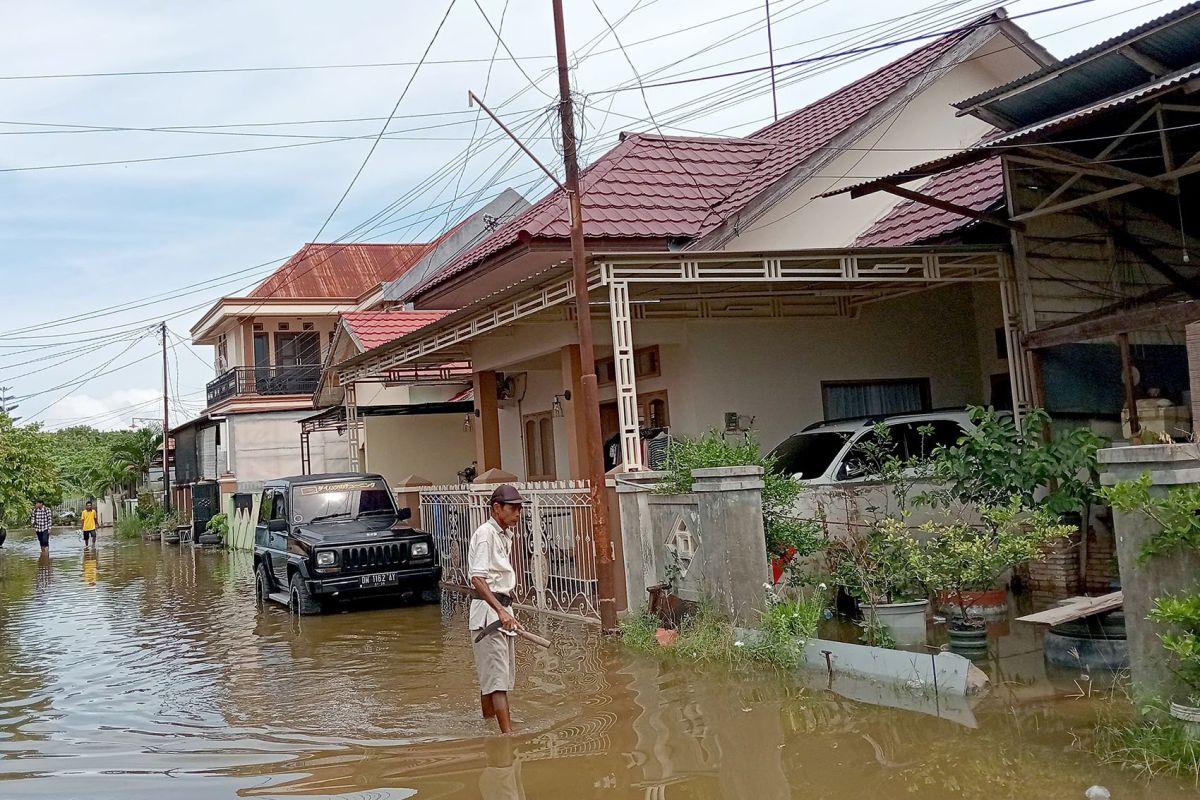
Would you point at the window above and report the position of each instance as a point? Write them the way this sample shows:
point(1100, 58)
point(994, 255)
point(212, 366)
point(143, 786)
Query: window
point(284, 326)
point(272, 506)
point(308, 326)
point(646, 364)
point(539, 447)
point(297, 349)
point(258, 326)
point(1001, 343)
point(342, 500)
point(850, 399)
point(906, 440)
point(808, 455)
point(222, 352)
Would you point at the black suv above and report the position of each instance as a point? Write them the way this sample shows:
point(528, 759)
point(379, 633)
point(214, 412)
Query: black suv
point(322, 538)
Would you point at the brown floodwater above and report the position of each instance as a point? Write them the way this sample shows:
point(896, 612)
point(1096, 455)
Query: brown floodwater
point(145, 671)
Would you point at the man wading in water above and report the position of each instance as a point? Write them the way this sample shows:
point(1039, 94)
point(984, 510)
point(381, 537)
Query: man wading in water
point(494, 579)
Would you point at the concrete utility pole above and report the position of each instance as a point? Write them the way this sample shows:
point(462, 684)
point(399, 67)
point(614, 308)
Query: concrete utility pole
point(166, 433)
point(590, 401)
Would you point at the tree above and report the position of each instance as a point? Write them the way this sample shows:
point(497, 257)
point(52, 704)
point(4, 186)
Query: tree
point(135, 452)
point(27, 471)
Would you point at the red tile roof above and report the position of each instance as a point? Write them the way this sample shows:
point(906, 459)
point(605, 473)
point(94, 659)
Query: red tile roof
point(647, 187)
point(373, 328)
point(977, 186)
point(339, 270)
point(653, 187)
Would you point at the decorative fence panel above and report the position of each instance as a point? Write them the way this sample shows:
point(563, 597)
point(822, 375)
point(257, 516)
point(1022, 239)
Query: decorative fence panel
point(554, 552)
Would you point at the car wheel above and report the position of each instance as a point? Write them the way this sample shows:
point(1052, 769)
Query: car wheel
point(302, 601)
point(262, 584)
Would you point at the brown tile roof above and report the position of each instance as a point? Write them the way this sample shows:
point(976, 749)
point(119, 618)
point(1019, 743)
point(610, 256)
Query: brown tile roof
point(373, 328)
point(654, 187)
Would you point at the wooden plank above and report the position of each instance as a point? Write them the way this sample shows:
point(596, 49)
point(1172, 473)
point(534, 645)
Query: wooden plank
point(1121, 322)
point(1077, 608)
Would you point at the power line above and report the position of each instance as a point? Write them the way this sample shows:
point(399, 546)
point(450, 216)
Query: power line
point(80, 384)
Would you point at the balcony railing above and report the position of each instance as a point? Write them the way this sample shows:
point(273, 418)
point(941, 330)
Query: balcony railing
point(263, 382)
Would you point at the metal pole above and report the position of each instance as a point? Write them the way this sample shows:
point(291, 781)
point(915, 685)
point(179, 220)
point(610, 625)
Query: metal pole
point(771, 55)
point(166, 428)
point(590, 401)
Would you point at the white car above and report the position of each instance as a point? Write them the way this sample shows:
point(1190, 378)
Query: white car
point(827, 453)
point(829, 459)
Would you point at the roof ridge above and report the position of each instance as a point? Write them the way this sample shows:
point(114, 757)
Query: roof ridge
point(942, 42)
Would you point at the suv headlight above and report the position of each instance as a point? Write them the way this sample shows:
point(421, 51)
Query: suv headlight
point(326, 559)
point(420, 550)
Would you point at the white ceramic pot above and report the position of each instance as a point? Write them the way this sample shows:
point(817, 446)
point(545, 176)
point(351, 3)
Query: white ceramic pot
point(905, 621)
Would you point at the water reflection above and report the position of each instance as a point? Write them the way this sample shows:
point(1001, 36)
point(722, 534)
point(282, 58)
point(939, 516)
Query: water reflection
point(145, 671)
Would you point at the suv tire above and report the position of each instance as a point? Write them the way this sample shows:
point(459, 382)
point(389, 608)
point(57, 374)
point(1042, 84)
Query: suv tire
point(262, 584)
point(302, 602)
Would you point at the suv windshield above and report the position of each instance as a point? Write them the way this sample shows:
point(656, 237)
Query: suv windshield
point(348, 499)
point(809, 454)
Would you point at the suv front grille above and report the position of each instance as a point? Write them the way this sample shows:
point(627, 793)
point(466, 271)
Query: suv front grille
point(374, 557)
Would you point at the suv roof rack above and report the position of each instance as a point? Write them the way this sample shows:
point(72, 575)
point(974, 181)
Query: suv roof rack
point(880, 418)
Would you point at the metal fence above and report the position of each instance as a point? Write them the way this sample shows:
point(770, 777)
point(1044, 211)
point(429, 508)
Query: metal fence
point(554, 552)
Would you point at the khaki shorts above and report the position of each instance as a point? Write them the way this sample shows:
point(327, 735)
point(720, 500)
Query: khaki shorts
point(495, 661)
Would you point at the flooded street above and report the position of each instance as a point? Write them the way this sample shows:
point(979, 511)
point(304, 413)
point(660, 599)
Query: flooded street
point(147, 672)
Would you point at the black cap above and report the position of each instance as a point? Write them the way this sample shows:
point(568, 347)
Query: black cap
point(506, 494)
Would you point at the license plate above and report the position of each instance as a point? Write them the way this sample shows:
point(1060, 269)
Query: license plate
point(381, 579)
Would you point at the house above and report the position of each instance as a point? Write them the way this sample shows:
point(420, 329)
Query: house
point(734, 297)
point(269, 346)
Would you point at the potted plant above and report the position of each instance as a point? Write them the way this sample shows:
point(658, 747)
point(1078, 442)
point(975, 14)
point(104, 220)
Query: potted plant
point(963, 564)
point(1182, 613)
point(878, 571)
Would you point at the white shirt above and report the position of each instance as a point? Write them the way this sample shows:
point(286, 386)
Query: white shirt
point(490, 558)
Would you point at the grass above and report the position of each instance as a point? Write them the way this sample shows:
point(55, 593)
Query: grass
point(705, 636)
point(1150, 747)
point(131, 526)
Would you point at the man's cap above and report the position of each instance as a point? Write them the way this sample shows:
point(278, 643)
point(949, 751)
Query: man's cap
point(506, 494)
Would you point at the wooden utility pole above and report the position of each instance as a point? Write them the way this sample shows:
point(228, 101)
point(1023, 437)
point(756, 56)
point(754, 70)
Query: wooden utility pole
point(590, 401)
point(166, 433)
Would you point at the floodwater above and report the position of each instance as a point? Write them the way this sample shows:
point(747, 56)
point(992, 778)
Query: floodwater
point(147, 672)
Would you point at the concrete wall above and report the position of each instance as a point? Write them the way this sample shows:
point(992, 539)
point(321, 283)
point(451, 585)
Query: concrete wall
point(540, 387)
point(433, 446)
point(771, 369)
point(266, 445)
point(721, 523)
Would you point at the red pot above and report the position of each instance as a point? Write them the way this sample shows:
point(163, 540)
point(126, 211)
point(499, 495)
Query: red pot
point(779, 563)
point(990, 603)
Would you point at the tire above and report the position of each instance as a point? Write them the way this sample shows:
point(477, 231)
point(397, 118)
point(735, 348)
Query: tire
point(302, 602)
point(262, 584)
point(431, 594)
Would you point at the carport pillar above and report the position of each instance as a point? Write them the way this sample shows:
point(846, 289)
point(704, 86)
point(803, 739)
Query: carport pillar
point(352, 426)
point(487, 432)
point(627, 407)
point(1018, 357)
point(576, 424)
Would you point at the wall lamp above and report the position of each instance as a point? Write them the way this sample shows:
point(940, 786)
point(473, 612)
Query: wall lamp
point(556, 408)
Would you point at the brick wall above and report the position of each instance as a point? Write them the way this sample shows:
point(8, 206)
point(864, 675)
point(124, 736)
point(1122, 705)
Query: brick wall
point(1057, 577)
point(1101, 561)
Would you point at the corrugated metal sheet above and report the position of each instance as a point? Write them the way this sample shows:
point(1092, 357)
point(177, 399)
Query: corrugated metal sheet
point(339, 270)
point(1096, 73)
point(975, 186)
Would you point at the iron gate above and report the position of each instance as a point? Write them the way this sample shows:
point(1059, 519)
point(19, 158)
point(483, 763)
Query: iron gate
point(206, 500)
point(554, 551)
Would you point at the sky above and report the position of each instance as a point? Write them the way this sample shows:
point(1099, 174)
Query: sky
point(93, 255)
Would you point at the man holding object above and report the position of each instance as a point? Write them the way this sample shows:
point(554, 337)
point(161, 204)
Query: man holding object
point(494, 579)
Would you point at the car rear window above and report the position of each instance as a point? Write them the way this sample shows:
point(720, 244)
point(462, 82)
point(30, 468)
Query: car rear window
point(808, 454)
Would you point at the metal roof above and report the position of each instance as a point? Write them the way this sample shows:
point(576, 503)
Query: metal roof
point(1027, 135)
point(1117, 65)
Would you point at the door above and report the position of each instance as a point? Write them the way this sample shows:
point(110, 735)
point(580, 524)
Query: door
point(205, 499)
point(297, 361)
point(275, 542)
point(262, 358)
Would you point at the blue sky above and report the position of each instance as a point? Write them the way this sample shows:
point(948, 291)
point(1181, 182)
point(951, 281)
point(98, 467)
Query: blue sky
point(84, 250)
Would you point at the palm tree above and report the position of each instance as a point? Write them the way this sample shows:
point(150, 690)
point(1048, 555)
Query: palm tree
point(135, 454)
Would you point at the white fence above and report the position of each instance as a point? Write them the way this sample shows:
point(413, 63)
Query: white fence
point(554, 551)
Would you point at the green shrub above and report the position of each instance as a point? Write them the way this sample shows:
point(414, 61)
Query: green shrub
point(786, 627)
point(639, 629)
point(1151, 747)
point(219, 524)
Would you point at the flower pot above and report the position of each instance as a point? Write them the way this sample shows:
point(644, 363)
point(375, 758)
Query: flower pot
point(968, 640)
point(779, 564)
point(905, 621)
point(980, 605)
point(666, 636)
point(1189, 716)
